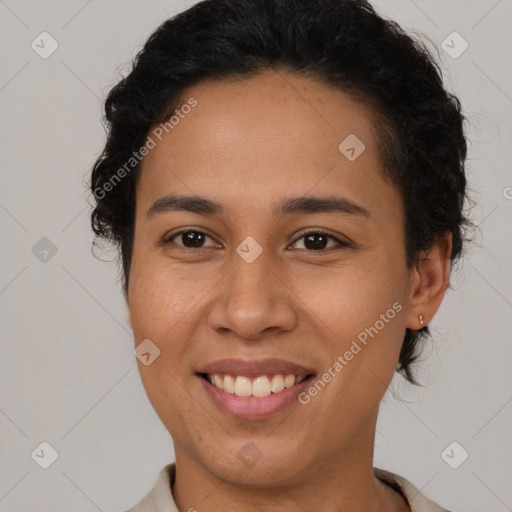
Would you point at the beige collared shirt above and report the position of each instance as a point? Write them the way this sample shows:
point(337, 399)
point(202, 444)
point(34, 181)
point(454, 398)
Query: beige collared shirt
point(160, 499)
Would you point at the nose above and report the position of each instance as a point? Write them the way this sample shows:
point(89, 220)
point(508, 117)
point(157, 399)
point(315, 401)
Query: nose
point(253, 300)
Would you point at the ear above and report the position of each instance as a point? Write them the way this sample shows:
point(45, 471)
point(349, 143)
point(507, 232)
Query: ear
point(428, 282)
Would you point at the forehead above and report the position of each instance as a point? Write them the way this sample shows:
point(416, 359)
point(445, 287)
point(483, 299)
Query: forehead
point(262, 137)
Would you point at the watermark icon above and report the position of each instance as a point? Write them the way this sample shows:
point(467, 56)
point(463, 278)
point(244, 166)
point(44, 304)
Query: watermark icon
point(454, 45)
point(507, 192)
point(146, 352)
point(249, 454)
point(249, 249)
point(44, 45)
point(137, 156)
point(351, 147)
point(44, 455)
point(342, 360)
point(454, 455)
point(44, 250)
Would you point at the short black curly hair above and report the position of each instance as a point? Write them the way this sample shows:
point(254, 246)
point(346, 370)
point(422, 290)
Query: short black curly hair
point(343, 43)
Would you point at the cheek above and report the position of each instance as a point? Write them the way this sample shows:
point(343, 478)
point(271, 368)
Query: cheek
point(363, 307)
point(160, 295)
point(353, 298)
point(159, 303)
point(166, 305)
point(365, 315)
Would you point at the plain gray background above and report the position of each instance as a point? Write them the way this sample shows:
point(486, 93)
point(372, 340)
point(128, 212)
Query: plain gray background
point(68, 375)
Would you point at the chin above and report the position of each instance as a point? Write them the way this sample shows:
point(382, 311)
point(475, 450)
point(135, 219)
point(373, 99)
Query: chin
point(258, 463)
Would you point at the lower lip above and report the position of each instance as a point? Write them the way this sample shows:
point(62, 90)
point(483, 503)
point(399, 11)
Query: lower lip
point(252, 407)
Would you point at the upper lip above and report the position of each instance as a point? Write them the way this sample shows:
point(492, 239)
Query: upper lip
point(254, 367)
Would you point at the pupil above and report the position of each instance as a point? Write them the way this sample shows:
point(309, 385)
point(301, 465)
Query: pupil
point(194, 238)
point(317, 244)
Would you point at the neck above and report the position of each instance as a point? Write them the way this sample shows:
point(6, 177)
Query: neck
point(337, 481)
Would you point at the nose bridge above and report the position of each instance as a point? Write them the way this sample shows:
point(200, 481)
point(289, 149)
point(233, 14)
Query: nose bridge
point(250, 279)
point(253, 299)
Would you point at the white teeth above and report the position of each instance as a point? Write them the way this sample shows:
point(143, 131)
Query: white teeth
point(229, 384)
point(289, 381)
point(242, 386)
point(277, 383)
point(217, 380)
point(260, 387)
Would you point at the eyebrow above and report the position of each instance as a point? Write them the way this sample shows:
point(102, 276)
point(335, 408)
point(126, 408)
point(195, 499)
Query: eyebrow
point(287, 206)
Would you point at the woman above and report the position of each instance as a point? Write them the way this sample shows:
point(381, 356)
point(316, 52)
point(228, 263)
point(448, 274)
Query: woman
point(285, 181)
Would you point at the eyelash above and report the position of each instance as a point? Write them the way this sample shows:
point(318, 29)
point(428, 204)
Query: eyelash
point(341, 243)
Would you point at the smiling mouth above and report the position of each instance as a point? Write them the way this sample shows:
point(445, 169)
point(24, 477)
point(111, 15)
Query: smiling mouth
point(261, 386)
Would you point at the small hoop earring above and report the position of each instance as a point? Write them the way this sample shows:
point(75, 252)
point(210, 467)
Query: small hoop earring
point(421, 320)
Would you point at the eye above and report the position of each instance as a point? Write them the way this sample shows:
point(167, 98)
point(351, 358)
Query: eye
point(190, 239)
point(314, 241)
point(317, 241)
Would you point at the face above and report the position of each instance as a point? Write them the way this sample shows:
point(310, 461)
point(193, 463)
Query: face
point(252, 287)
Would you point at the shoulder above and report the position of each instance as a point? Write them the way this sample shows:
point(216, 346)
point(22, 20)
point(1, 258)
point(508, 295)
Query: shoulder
point(159, 498)
point(417, 501)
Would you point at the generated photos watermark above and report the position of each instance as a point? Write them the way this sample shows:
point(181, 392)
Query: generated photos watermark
point(343, 360)
point(137, 156)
